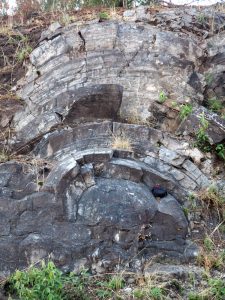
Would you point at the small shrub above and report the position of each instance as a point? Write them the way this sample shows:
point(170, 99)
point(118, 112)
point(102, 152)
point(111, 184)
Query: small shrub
point(103, 16)
point(212, 198)
point(139, 294)
point(116, 283)
point(209, 78)
point(44, 283)
point(186, 211)
point(220, 151)
point(174, 104)
point(195, 296)
point(185, 111)
point(23, 53)
point(215, 105)
point(75, 286)
point(201, 18)
point(156, 293)
point(3, 156)
point(217, 288)
point(121, 142)
point(162, 97)
point(208, 243)
point(201, 135)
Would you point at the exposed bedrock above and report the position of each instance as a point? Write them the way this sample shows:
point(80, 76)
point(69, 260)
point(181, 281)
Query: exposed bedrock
point(77, 194)
point(101, 213)
point(140, 58)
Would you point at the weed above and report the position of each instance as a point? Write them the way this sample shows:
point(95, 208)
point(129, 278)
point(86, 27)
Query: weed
point(208, 243)
point(222, 228)
point(195, 296)
point(210, 257)
point(201, 135)
point(174, 104)
point(139, 294)
point(121, 142)
point(103, 16)
point(156, 293)
point(214, 105)
point(162, 97)
point(75, 286)
point(175, 284)
point(211, 197)
point(44, 283)
point(23, 53)
point(116, 283)
point(186, 211)
point(209, 78)
point(201, 18)
point(217, 288)
point(65, 19)
point(220, 151)
point(3, 156)
point(104, 294)
point(185, 111)
point(6, 30)
point(192, 200)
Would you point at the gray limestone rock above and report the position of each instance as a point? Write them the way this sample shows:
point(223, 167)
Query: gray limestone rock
point(215, 130)
point(90, 204)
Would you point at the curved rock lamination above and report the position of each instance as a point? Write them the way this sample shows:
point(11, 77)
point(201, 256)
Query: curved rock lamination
point(83, 200)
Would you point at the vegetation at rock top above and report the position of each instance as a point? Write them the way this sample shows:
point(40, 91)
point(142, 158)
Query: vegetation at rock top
point(24, 7)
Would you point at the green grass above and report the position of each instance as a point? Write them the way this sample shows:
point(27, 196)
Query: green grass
point(47, 282)
point(215, 105)
point(185, 111)
point(23, 53)
point(104, 16)
point(162, 97)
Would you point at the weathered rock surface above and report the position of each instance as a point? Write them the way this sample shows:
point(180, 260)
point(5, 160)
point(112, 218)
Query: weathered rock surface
point(83, 198)
point(215, 130)
point(140, 58)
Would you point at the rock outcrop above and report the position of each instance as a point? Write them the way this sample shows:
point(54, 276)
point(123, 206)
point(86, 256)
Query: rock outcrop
point(78, 194)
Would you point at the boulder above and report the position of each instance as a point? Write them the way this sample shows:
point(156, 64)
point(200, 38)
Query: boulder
point(215, 130)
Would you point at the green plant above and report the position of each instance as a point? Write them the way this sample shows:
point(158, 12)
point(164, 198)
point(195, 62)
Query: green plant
point(185, 111)
point(201, 135)
point(175, 284)
point(220, 150)
point(195, 296)
point(156, 293)
point(162, 97)
point(139, 294)
point(208, 78)
point(212, 197)
point(186, 211)
point(208, 243)
point(107, 288)
point(103, 15)
point(174, 104)
point(44, 283)
point(3, 156)
point(201, 18)
point(74, 286)
point(104, 294)
point(116, 283)
point(217, 288)
point(214, 104)
point(23, 53)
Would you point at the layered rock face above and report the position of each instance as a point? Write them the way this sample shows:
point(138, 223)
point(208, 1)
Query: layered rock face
point(78, 195)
